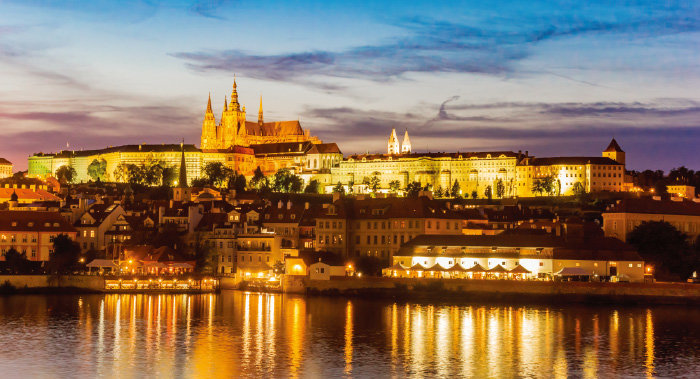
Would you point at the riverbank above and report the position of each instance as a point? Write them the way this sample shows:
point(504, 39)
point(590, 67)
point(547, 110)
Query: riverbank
point(510, 291)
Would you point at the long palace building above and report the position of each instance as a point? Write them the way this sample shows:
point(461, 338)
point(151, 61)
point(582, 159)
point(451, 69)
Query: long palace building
point(244, 145)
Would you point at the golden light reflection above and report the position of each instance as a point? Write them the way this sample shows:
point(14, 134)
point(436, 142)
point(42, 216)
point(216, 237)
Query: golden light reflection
point(348, 338)
point(268, 335)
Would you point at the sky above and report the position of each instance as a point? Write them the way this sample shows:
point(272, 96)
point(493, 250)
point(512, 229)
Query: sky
point(552, 78)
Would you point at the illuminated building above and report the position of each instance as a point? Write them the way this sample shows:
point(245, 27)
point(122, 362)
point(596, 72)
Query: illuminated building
point(95, 223)
point(515, 256)
point(621, 218)
point(353, 227)
point(235, 130)
point(5, 168)
point(681, 190)
point(32, 232)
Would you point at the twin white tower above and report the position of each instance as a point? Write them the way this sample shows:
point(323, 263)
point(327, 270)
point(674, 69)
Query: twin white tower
point(393, 146)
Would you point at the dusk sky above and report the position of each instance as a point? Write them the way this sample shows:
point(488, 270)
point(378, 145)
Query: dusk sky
point(549, 77)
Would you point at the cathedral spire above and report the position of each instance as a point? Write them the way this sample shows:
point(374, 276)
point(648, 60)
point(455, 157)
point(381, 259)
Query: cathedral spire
point(182, 181)
point(260, 112)
point(406, 144)
point(225, 104)
point(393, 144)
point(209, 105)
point(234, 97)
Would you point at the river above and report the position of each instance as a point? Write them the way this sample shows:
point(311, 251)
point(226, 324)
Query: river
point(239, 334)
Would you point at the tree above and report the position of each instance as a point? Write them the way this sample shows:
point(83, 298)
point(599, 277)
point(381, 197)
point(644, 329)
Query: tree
point(204, 254)
point(544, 185)
point(488, 192)
point(121, 172)
point(278, 267)
point(64, 258)
point(578, 189)
point(259, 181)
point(438, 192)
point(339, 188)
point(65, 174)
point(659, 243)
point(454, 191)
point(16, 262)
point(286, 181)
point(97, 169)
point(374, 183)
point(217, 173)
point(367, 265)
point(500, 188)
point(475, 195)
point(312, 187)
point(168, 176)
point(394, 186)
point(237, 182)
point(413, 189)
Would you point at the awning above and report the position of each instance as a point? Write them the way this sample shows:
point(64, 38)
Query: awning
point(573, 271)
point(498, 268)
point(476, 268)
point(457, 267)
point(436, 267)
point(417, 267)
point(520, 270)
point(103, 263)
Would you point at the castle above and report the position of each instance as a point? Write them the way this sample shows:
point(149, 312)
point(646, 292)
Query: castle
point(235, 130)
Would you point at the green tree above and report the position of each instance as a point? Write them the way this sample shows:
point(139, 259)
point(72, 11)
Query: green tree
point(454, 191)
point(500, 188)
point(66, 174)
point(394, 186)
point(312, 187)
point(278, 268)
point(217, 173)
point(659, 243)
point(413, 189)
point(475, 195)
point(438, 192)
point(578, 189)
point(65, 255)
point(169, 175)
point(97, 169)
point(488, 192)
point(339, 188)
point(259, 181)
point(374, 183)
point(286, 181)
point(237, 182)
point(16, 262)
point(544, 185)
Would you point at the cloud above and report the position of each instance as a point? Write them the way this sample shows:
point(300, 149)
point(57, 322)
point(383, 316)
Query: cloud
point(440, 46)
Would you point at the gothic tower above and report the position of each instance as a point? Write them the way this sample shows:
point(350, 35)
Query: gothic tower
point(260, 113)
point(209, 128)
point(406, 144)
point(393, 145)
point(233, 122)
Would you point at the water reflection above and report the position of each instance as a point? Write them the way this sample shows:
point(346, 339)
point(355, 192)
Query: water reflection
point(249, 334)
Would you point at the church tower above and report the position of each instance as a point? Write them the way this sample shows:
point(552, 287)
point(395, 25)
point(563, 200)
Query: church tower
point(233, 122)
point(393, 145)
point(614, 152)
point(182, 192)
point(406, 144)
point(208, 128)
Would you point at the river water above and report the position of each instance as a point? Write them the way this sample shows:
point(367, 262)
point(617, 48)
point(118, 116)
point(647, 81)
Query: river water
point(239, 334)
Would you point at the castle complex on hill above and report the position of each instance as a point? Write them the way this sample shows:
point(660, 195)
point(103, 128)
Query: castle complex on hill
point(244, 145)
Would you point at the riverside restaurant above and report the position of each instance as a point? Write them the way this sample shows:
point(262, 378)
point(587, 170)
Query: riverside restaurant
point(516, 256)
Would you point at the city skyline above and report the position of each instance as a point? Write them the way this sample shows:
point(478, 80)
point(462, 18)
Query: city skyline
point(528, 76)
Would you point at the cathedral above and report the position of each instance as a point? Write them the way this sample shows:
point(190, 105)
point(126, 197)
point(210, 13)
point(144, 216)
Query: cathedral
point(235, 130)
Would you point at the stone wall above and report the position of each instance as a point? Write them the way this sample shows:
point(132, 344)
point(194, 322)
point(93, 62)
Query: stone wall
point(86, 282)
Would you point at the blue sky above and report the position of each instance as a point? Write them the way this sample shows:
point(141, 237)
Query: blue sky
point(549, 77)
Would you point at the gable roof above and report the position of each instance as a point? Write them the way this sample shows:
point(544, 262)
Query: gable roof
point(40, 221)
point(613, 147)
point(651, 206)
point(275, 128)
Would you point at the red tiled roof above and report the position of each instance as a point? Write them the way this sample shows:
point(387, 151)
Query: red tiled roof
point(26, 193)
point(4, 161)
point(651, 206)
point(613, 147)
point(34, 221)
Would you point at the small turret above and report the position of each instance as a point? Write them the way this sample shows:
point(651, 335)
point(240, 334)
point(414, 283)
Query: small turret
point(235, 106)
point(614, 152)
